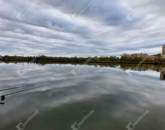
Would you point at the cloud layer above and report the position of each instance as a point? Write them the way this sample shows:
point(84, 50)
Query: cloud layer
point(81, 27)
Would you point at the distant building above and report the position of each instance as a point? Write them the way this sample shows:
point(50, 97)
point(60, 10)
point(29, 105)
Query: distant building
point(163, 50)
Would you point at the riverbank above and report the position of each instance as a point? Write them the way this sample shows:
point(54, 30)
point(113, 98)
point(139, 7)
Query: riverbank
point(124, 59)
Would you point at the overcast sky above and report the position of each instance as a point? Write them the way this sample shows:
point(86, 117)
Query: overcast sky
point(81, 27)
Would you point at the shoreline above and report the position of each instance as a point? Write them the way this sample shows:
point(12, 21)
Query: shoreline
point(125, 59)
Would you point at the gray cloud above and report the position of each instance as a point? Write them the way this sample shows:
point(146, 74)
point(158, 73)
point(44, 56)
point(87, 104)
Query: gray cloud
point(110, 12)
point(81, 27)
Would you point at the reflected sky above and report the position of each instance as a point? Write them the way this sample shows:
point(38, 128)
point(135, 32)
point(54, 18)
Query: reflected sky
point(62, 97)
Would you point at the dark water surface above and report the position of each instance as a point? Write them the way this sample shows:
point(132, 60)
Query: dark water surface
point(81, 97)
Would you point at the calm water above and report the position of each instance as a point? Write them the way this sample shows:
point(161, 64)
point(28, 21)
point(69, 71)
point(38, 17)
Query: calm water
point(81, 97)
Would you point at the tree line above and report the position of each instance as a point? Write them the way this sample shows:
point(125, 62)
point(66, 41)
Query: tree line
point(126, 58)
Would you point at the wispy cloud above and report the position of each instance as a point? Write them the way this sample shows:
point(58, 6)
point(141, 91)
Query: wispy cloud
point(81, 27)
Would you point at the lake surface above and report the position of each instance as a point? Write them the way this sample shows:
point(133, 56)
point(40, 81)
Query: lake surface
point(81, 97)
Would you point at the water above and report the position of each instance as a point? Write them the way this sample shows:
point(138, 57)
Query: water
point(81, 97)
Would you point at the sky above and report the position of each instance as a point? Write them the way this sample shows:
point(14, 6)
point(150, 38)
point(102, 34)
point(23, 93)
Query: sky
point(81, 27)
